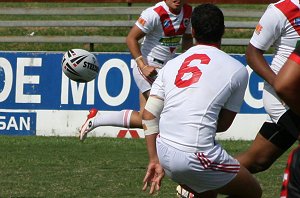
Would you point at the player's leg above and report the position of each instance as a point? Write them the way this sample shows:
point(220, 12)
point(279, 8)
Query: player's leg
point(97, 118)
point(274, 137)
point(269, 144)
point(291, 179)
point(125, 118)
point(135, 120)
point(244, 185)
point(208, 173)
point(290, 121)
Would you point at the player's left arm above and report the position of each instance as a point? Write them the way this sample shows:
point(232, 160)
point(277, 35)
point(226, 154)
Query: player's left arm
point(287, 82)
point(225, 119)
point(187, 41)
point(238, 85)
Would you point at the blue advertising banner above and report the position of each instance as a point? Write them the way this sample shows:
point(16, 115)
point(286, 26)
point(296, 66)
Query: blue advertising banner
point(14, 123)
point(35, 81)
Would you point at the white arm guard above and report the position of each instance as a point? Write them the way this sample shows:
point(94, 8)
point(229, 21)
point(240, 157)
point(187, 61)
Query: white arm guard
point(154, 106)
point(150, 126)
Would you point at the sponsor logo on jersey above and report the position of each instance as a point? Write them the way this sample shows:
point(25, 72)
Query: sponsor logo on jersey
point(167, 23)
point(297, 21)
point(142, 21)
point(170, 41)
point(258, 29)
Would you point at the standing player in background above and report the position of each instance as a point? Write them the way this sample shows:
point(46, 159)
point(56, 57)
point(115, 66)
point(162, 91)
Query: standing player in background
point(279, 26)
point(287, 86)
point(163, 27)
point(195, 95)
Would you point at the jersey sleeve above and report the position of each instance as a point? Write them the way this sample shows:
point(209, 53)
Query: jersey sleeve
point(147, 20)
point(239, 82)
point(295, 56)
point(269, 28)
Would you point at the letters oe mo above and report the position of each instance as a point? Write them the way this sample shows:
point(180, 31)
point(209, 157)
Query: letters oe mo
point(31, 80)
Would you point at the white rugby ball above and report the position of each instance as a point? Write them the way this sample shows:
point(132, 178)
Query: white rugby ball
point(80, 65)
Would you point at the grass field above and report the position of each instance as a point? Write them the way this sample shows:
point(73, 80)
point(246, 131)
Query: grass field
point(99, 167)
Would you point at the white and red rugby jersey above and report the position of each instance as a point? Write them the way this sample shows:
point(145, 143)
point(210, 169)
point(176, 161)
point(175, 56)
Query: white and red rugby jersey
point(279, 26)
point(195, 86)
point(163, 30)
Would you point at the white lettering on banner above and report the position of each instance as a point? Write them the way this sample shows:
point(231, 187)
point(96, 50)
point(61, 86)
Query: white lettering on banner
point(22, 79)
point(122, 66)
point(14, 124)
point(8, 73)
point(77, 92)
point(2, 123)
point(77, 89)
point(249, 99)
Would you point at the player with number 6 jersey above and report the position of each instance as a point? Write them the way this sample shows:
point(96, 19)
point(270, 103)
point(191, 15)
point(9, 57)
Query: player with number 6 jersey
point(198, 84)
point(196, 95)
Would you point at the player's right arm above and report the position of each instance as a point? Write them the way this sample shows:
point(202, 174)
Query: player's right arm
point(238, 84)
point(258, 63)
point(151, 114)
point(132, 41)
point(266, 32)
point(140, 29)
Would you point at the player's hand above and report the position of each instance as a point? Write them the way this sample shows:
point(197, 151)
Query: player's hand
point(153, 177)
point(149, 72)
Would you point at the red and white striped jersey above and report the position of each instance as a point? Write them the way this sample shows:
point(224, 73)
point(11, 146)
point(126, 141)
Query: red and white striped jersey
point(279, 26)
point(163, 30)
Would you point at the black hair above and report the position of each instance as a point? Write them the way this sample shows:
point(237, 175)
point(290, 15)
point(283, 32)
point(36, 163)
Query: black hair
point(208, 23)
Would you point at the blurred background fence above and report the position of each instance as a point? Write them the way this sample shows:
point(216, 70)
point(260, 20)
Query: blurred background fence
point(57, 24)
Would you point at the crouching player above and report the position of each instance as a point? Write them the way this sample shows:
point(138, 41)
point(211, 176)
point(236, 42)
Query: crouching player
point(194, 96)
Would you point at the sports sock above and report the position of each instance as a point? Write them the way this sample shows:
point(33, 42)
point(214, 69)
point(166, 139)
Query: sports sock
point(113, 118)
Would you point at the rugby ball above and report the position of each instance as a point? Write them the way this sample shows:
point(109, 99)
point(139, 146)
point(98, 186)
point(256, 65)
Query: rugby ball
point(80, 65)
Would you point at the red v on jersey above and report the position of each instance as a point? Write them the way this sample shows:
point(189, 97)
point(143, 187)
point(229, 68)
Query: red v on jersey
point(167, 24)
point(292, 13)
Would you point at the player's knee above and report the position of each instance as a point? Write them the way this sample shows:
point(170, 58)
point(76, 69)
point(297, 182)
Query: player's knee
point(260, 164)
point(255, 163)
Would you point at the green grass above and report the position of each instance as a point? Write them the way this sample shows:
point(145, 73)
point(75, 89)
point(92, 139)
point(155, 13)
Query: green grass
point(99, 167)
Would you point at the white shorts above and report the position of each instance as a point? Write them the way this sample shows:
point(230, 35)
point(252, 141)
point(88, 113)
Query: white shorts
point(272, 103)
point(201, 171)
point(142, 83)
